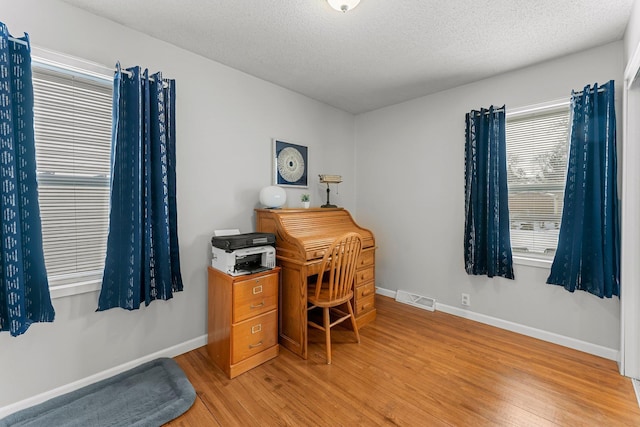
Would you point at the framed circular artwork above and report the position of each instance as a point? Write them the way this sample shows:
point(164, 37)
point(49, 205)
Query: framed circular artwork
point(290, 164)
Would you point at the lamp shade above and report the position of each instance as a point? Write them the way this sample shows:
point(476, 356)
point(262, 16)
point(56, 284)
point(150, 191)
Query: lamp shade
point(343, 5)
point(273, 196)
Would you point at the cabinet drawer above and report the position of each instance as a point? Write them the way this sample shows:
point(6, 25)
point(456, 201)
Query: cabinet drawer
point(364, 304)
point(253, 336)
point(364, 275)
point(254, 296)
point(365, 291)
point(366, 258)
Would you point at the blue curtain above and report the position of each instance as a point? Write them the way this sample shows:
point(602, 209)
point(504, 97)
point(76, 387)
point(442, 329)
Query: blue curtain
point(588, 254)
point(142, 262)
point(487, 244)
point(24, 288)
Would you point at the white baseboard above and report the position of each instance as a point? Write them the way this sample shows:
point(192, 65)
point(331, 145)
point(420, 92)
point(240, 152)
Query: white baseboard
point(636, 388)
point(386, 292)
point(173, 351)
point(597, 350)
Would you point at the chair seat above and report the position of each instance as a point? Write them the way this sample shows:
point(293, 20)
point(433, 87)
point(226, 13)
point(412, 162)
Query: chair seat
point(323, 299)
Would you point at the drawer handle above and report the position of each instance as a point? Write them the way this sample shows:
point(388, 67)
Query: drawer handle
point(255, 345)
point(257, 305)
point(366, 293)
point(365, 306)
point(257, 328)
point(257, 289)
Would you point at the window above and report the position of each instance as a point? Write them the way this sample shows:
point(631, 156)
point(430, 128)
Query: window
point(537, 152)
point(72, 115)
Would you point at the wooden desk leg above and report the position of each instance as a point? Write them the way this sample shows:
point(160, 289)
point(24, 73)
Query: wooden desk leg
point(293, 308)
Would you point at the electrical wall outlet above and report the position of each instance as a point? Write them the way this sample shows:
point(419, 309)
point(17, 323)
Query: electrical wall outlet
point(466, 300)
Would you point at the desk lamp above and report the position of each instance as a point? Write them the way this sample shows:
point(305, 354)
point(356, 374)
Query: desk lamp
point(329, 179)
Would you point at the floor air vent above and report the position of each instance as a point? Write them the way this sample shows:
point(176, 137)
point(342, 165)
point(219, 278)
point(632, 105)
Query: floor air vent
point(419, 301)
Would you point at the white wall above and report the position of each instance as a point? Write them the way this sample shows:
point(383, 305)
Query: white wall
point(630, 322)
point(410, 191)
point(225, 122)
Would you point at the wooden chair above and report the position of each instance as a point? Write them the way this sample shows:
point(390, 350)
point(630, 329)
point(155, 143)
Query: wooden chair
point(334, 286)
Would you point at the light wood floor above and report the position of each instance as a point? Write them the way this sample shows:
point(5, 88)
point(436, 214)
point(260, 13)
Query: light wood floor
point(416, 368)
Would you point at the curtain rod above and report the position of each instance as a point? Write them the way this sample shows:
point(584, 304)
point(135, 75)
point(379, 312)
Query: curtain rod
point(129, 73)
point(23, 42)
point(486, 110)
point(15, 40)
point(600, 89)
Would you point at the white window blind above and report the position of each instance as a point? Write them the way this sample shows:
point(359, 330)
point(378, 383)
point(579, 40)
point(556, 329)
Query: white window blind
point(537, 152)
point(72, 118)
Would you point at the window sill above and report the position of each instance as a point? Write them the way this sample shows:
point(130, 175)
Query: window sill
point(533, 262)
point(78, 288)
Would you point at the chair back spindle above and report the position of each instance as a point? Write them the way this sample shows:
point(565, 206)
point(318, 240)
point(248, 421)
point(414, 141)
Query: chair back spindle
point(339, 263)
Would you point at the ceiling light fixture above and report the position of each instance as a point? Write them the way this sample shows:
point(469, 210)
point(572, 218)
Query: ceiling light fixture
point(343, 5)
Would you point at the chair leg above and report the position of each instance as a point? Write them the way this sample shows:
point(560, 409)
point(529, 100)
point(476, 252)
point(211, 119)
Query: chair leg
point(353, 321)
point(327, 332)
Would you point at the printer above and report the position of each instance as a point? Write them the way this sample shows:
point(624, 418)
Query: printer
point(246, 253)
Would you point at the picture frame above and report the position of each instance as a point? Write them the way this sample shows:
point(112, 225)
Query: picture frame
point(290, 164)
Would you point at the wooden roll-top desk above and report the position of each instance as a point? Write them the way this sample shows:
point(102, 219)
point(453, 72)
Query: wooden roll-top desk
point(302, 236)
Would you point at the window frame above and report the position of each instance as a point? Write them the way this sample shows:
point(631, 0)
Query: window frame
point(531, 259)
point(43, 58)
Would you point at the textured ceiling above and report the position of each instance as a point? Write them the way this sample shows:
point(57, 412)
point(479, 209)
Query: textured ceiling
point(381, 53)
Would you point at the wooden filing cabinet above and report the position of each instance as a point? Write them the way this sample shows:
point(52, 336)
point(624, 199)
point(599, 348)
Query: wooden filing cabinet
point(242, 320)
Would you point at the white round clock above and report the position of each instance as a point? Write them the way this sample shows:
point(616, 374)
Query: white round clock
point(290, 164)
